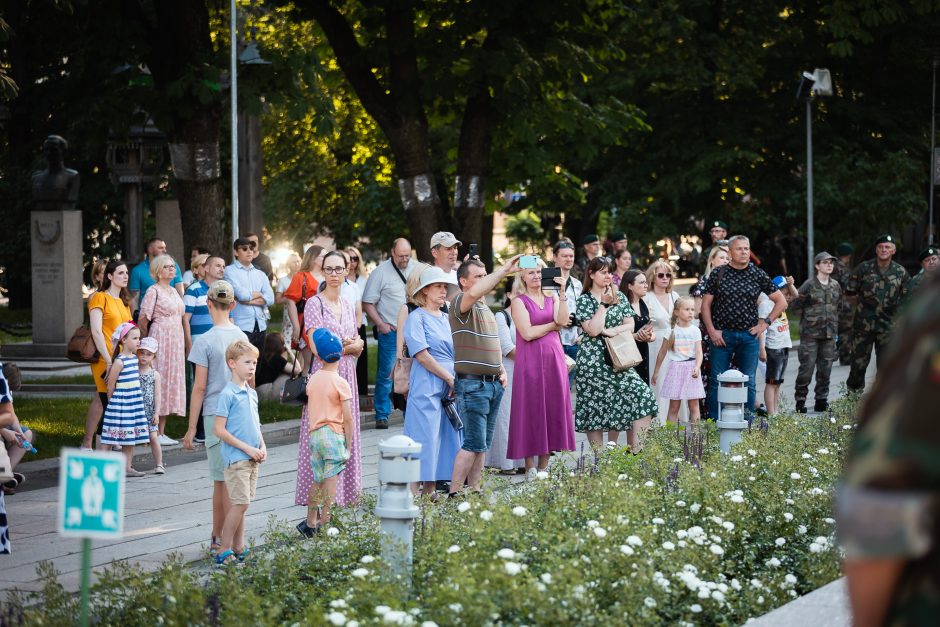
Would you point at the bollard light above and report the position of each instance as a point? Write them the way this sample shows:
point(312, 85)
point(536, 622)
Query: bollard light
point(399, 467)
point(732, 397)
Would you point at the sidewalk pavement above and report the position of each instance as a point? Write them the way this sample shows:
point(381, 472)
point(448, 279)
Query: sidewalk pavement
point(172, 513)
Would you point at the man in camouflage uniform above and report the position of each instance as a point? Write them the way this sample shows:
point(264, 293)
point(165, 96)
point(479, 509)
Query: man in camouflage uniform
point(877, 287)
point(718, 232)
point(820, 300)
point(840, 272)
point(889, 499)
point(929, 261)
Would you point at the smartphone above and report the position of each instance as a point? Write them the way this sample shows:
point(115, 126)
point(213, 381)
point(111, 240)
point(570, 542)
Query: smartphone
point(473, 252)
point(528, 262)
point(548, 278)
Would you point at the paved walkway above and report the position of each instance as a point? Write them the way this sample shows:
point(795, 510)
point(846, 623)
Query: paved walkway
point(171, 513)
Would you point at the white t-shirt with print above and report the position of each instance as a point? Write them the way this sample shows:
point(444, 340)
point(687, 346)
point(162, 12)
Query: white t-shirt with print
point(777, 334)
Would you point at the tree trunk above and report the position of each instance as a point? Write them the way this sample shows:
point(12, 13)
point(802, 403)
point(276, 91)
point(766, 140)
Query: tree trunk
point(473, 162)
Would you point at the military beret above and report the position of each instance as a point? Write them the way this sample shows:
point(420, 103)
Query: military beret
point(844, 249)
point(930, 251)
point(886, 239)
point(590, 238)
point(718, 224)
point(616, 237)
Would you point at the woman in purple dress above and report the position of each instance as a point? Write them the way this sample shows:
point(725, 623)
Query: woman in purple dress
point(540, 420)
point(331, 311)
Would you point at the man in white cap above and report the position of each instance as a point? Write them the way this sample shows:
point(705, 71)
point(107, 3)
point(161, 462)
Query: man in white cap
point(444, 251)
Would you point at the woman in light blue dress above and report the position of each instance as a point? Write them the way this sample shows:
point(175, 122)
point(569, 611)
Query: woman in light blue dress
point(428, 340)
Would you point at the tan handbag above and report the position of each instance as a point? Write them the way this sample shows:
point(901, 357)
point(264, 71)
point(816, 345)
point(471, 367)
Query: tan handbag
point(81, 347)
point(401, 373)
point(622, 352)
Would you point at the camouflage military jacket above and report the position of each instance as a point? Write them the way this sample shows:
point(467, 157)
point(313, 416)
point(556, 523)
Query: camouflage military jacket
point(915, 281)
point(819, 306)
point(890, 497)
point(840, 272)
point(879, 293)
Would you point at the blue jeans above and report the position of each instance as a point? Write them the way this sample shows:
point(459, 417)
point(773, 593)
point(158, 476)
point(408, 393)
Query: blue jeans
point(478, 402)
point(571, 350)
point(383, 377)
point(744, 348)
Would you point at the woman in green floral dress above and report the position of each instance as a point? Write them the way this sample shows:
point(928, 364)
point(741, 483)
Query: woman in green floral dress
point(607, 400)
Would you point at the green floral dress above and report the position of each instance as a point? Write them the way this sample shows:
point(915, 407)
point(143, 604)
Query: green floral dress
point(607, 400)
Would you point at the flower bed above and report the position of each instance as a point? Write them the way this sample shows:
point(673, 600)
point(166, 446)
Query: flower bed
point(680, 534)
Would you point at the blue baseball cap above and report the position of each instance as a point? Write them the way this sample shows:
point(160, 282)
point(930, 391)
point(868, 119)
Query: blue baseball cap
point(780, 282)
point(329, 346)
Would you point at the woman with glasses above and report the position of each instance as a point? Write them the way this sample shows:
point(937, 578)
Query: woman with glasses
point(718, 256)
point(161, 317)
point(660, 299)
point(358, 276)
point(634, 286)
point(329, 310)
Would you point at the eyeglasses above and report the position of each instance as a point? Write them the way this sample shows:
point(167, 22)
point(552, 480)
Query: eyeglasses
point(664, 275)
point(169, 266)
point(353, 258)
point(339, 270)
point(252, 245)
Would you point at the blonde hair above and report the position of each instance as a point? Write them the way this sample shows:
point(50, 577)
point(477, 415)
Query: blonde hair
point(360, 265)
point(651, 274)
point(240, 347)
point(157, 264)
point(200, 260)
point(682, 300)
point(411, 285)
point(711, 258)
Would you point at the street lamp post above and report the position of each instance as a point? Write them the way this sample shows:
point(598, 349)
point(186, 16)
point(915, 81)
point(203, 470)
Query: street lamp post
point(817, 83)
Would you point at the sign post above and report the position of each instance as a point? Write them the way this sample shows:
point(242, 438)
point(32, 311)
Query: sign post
point(91, 504)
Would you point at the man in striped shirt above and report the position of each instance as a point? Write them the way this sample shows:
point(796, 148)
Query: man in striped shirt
point(478, 364)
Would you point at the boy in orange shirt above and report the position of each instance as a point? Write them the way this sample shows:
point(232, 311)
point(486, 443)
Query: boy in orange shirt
point(331, 427)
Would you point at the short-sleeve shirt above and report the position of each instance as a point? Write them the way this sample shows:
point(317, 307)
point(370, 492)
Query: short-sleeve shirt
point(569, 335)
point(778, 333)
point(113, 313)
point(208, 351)
point(734, 307)
point(326, 393)
point(141, 280)
point(684, 342)
point(476, 339)
point(386, 290)
point(239, 406)
point(195, 300)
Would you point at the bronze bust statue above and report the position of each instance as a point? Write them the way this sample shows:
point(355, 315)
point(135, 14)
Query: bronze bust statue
point(56, 187)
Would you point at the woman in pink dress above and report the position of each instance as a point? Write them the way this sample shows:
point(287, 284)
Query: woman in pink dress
point(161, 317)
point(331, 311)
point(540, 420)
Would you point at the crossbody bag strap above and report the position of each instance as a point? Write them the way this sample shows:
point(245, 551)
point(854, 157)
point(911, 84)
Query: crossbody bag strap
point(400, 275)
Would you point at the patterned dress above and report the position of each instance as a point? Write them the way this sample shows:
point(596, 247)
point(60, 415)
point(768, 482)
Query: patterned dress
point(124, 421)
point(148, 392)
point(349, 486)
point(607, 400)
point(165, 309)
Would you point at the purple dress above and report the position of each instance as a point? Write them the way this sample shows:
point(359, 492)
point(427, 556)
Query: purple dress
point(540, 419)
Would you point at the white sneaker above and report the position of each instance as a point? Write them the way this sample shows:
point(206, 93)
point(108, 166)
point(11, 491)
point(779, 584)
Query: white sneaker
point(167, 441)
point(531, 474)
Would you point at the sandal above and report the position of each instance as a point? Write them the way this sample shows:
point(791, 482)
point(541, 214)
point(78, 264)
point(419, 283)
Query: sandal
point(160, 470)
point(133, 472)
point(242, 555)
point(214, 546)
point(225, 558)
point(20, 479)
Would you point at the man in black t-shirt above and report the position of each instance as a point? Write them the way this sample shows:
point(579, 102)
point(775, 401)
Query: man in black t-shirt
point(729, 312)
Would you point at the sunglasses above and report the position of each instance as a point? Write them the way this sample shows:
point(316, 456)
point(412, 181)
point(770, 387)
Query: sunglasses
point(244, 248)
point(353, 258)
point(252, 245)
point(664, 275)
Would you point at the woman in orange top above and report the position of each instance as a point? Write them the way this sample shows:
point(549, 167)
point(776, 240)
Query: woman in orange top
point(107, 310)
point(303, 286)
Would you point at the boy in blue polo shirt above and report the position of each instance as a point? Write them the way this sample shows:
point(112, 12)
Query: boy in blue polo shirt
point(238, 427)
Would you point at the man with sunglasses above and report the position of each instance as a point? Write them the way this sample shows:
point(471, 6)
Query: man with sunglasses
point(261, 260)
point(253, 293)
point(729, 312)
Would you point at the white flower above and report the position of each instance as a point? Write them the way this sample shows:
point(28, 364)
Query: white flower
point(773, 561)
point(821, 540)
point(801, 530)
point(453, 548)
point(789, 501)
point(429, 623)
point(336, 618)
point(621, 477)
point(679, 504)
point(634, 541)
point(795, 475)
point(626, 550)
point(682, 544)
point(712, 475)
point(592, 523)
point(659, 521)
point(703, 592)
point(669, 546)
point(752, 452)
point(456, 608)
point(506, 554)
point(807, 456)
point(541, 475)
point(682, 533)
point(787, 516)
point(338, 603)
point(735, 584)
point(831, 521)
point(760, 599)
point(780, 541)
point(823, 451)
point(718, 596)
point(846, 427)
point(649, 602)
point(717, 550)
point(546, 578)
point(737, 498)
point(463, 507)
point(519, 511)
point(600, 532)
point(752, 478)
point(398, 617)
point(360, 572)
point(728, 525)
point(695, 608)
point(817, 491)
point(486, 515)
point(736, 458)
point(513, 568)
point(816, 548)
point(366, 559)
point(715, 539)
point(332, 531)
point(755, 583)
point(382, 610)
point(695, 507)
point(789, 578)
point(648, 484)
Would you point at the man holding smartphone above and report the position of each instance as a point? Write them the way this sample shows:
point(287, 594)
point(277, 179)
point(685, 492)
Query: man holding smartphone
point(478, 364)
point(563, 257)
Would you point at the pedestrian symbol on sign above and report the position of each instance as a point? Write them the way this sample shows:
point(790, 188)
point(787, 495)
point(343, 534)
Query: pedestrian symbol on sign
point(91, 494)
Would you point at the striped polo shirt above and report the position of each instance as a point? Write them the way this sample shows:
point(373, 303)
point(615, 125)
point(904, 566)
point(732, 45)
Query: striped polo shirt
point(476, 339)
point(195, 301)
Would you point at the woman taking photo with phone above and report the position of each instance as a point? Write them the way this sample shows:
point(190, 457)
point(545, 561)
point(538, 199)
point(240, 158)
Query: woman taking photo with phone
point(608, 400)
point(540, 412)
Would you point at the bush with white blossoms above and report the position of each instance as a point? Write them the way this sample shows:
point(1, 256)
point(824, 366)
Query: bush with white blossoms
point(680, 534)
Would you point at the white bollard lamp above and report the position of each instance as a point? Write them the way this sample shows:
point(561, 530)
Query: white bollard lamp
point(399, 467)
point(732, 398)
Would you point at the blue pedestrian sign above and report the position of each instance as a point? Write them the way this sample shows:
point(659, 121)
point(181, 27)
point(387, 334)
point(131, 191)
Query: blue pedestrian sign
point(91, 494)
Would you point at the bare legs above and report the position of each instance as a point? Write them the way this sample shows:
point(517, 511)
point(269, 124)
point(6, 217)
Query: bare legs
point(637, 433)
point(468, 466)
point(320, 499)
point(220, 507)
point(530, 462)
point(92, 418)
point(233, 529)
point(155, 449)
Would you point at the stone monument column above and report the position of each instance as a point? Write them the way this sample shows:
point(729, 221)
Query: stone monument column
point(57, 279)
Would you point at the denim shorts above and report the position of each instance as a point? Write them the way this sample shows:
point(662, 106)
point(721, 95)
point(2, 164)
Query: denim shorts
point(478, 402)
point(777, 359)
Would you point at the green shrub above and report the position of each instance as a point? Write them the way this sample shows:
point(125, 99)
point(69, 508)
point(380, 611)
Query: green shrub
point(680, 534)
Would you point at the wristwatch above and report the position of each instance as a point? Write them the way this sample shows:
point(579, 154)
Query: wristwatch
point(768, 321)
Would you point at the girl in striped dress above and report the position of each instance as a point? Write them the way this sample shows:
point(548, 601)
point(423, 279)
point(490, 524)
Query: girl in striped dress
point(125, 421)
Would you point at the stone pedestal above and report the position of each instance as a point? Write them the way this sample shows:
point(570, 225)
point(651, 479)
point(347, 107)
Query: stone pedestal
point(57, 275)
point(170, 229)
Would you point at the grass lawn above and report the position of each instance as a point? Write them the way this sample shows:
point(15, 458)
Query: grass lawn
point(59, 422)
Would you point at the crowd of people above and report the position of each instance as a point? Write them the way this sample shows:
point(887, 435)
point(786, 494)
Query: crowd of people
point(505, 390)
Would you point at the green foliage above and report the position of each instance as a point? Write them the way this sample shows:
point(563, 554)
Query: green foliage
point(681, 534)
point(525, 231)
